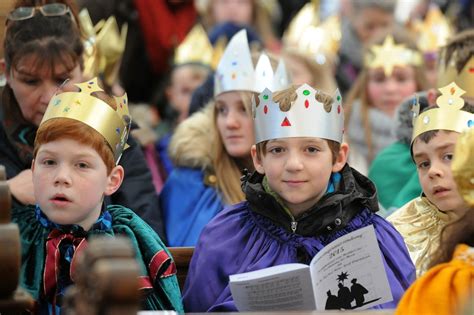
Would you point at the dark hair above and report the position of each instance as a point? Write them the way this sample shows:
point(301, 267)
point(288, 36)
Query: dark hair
point(53, 39)
point(460, 47)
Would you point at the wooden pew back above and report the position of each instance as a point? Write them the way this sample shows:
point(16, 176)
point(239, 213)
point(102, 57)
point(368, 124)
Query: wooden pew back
point(12, 299)
point(182, 257)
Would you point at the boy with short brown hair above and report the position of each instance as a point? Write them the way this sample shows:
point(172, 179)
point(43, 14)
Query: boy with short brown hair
point(302, 197)
point(435, 133)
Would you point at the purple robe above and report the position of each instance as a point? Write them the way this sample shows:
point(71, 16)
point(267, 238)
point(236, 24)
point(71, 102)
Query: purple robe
point(239, 240)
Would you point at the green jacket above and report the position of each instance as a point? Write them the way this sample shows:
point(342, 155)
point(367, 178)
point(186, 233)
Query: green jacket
point(395, 176)
point(157, 268)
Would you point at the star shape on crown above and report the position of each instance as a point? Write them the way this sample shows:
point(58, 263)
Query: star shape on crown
point(90, 86)
point(388, 55)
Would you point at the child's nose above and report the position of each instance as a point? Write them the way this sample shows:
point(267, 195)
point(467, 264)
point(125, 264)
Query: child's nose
point(62, 176)
point(435, 170)
point(47, 92)
point(391, 85)
point(294, 162)
point(232, 120)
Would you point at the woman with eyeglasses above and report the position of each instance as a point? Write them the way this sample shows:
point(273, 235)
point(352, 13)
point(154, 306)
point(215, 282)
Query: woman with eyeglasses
point(43, 48)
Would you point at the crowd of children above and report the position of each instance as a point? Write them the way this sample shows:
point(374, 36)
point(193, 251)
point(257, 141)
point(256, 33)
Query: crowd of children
point(271, 170)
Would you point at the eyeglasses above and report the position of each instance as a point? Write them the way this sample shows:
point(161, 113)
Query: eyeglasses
point(50, 9)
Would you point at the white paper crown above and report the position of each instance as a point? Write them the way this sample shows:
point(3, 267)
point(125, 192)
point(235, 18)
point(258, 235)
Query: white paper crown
point(266, 78)
point(307, 117)
point(235, 71)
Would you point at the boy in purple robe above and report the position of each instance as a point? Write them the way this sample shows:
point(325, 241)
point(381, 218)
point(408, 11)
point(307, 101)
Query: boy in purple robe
point(302, 196)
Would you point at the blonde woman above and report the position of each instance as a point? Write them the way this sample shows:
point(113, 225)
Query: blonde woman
point(210, 148)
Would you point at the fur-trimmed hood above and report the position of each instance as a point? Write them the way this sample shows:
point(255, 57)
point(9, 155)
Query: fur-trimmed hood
point(404, 117)
point(193, 139)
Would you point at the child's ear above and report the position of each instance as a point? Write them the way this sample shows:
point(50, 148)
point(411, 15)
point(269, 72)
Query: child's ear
point(341, 158)
point(256, 161)
point(114, 180)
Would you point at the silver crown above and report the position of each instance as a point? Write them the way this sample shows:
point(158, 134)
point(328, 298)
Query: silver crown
point(309, 116)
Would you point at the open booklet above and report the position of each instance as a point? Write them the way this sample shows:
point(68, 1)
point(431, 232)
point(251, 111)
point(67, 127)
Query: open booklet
point(346, 274)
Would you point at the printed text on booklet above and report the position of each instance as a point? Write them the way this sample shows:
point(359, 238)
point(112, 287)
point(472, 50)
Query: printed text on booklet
point(346, 274)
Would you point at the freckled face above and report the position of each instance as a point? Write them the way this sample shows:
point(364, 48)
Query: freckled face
point(70, 180)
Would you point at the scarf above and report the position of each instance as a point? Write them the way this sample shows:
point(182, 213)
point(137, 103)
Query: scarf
point(62, 245)
point(381, 127)
point(333, 184)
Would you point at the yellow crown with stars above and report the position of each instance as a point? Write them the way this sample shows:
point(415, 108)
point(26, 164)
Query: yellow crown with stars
point(312, 38)
point(464, 78)
point(448, 116)
point(195, 48)
point(433, 31)
point(103, 47)
point(113, 125)
point(389, 55)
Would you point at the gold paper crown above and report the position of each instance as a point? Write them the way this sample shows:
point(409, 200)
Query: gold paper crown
point(389, 55)
point(104, 46)
point(464, 78)
point(433, 31)
point(113, 125)
point(462, 166)
point(308, 36)
point(195, 48)
point(448, 116)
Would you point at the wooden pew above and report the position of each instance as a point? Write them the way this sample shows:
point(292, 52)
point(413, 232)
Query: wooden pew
point(182, 257)
point(107, 280)
point(12, 299)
